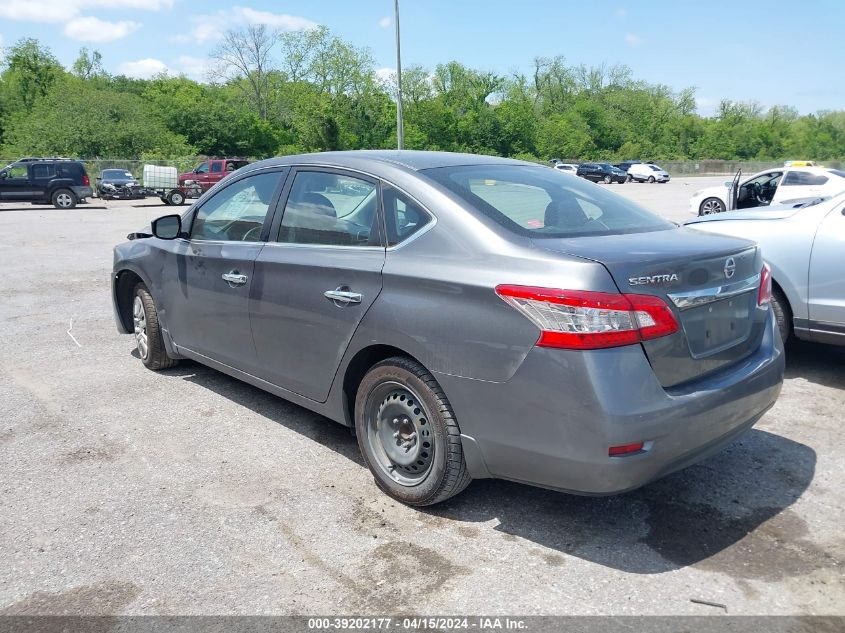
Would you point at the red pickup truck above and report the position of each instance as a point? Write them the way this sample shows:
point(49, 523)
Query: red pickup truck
point(208, 173)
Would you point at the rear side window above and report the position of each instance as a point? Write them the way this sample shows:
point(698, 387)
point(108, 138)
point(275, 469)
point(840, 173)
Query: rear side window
point(402, 216)
point(331, 209)
point(803, 178)
point(538, 202)
point(43, 171)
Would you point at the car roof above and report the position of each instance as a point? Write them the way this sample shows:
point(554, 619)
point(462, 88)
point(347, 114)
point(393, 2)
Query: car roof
point(412, 160)
point(823, 171)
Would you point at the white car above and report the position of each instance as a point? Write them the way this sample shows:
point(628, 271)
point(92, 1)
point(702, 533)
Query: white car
point(567, 168)
point(803, 246)
point(647, 172)
point(783, 185)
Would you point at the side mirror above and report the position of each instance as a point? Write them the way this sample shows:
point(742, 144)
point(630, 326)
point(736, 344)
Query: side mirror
point(167, 227)
point(728, 183)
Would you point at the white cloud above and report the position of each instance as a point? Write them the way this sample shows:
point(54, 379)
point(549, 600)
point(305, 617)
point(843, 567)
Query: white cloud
point(633, 40)
point(143, 68)
point(385, 22)
point(279, 20)
point(208, 28)
point(59, 11)
point(194, 67)
point(385, 75)
point(91, 29)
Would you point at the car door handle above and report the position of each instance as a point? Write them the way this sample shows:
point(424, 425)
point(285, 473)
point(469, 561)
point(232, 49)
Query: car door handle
point(234, 278)
point(342, 296)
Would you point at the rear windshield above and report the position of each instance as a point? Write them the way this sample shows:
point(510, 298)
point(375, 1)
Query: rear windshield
point(540, 202)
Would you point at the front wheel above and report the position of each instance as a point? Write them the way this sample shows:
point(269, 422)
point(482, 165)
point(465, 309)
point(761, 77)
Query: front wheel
point(651, 180)
point(64, 199)
point(710, 206)
point(147, 330)
point(408, 434)
point(607, 180)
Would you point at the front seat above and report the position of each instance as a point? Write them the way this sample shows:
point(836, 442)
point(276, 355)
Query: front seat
point(564, 212)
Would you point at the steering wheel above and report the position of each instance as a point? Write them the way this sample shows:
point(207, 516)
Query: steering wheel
point(252, 235)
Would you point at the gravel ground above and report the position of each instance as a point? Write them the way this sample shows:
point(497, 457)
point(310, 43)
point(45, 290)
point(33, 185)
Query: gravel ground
point(187, 492)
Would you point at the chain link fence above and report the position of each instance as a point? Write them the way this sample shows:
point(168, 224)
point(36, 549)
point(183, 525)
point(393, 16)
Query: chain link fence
point(674, 167)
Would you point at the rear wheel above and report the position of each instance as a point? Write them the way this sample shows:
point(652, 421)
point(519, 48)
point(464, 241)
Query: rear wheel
point(408, 434)
point(783, 313)
point(628, 178)
point(711, 205)
point(147, 330)
point(64, 199)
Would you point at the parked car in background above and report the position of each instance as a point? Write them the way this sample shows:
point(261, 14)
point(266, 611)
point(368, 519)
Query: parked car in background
point(804, 247)
point(782, 185)
point(470, 316)
point(118, 184)
point(601, 172)
point(60, 182)
point(207, 174)
point(625, 165)
point(567, 168)
point(647, 172)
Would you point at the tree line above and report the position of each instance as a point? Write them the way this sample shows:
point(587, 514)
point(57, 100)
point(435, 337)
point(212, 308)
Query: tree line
point(270, 93)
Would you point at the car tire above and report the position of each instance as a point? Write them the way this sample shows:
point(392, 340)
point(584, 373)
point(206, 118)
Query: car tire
point(63, 199)
point(651, 180)
point(710, 206)
point(783, 314)
point(176, 198)
point(629, 178)
point(408, 434)
point(608, 180)
point(147, 329)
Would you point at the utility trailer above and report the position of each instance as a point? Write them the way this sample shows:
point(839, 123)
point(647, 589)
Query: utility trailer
point(163, 182)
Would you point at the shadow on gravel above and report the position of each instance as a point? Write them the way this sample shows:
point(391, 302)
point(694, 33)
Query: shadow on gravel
point(729, 514)
point(820, 364)
point(307, 423)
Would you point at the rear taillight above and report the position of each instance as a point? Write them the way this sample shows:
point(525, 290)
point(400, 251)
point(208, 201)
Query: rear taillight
point(581, 319)
point(764, 295)
point(85, 180)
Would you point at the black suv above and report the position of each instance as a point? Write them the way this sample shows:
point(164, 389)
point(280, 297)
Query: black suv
point(601, 172)
point(57, 181)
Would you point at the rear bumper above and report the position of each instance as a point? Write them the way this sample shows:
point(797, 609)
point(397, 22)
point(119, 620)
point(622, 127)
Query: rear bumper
point(83, 192)
point(551, 425)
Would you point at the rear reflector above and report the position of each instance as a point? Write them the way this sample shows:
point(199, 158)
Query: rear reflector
point(764, 295)
point(582, 319)
point(625, 449)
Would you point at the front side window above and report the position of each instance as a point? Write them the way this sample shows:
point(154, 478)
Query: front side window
point(201, 169)
point(803, 179)
point(237, 212)
point(538, 202)
point(17, 171)
point(402, 216)
point(331, 209)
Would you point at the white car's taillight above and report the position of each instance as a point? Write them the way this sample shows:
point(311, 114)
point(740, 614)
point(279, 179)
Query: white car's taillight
point(764, 295)
point(581, 319)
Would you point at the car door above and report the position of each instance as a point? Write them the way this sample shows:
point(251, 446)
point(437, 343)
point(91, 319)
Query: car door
point(16, 184)
point(800, 184)
point(207, 276)
point(201, 175)
point(760, 190)
point(41, 174)
point(826, 281)
point(316, 278)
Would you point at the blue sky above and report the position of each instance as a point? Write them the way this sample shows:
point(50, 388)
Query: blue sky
point(775, 52)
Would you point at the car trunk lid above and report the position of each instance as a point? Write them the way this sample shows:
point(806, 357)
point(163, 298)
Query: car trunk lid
point(710, 282)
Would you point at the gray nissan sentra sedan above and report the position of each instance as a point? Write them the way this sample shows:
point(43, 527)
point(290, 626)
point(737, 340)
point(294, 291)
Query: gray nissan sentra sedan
point(468, 316)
